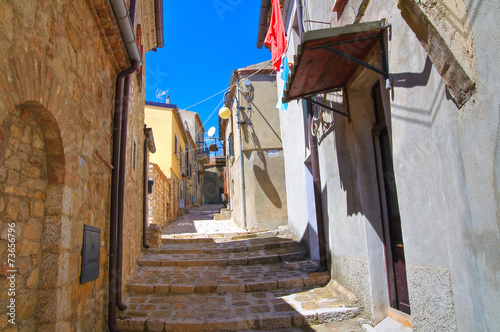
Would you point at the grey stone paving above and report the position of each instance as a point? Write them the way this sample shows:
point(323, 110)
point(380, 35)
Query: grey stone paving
point(208, 281)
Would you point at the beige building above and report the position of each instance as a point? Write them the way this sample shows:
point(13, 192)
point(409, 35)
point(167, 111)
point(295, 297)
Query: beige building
point(65, 68)
point(255, 181)
point(198, 153)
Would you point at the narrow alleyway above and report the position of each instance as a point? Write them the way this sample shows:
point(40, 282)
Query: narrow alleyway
point(211, 275)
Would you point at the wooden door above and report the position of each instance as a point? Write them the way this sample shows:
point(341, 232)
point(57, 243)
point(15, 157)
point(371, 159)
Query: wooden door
point(395, 259)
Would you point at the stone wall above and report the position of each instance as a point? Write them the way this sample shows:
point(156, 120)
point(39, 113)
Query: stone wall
point(160, 198)
point(56, 107)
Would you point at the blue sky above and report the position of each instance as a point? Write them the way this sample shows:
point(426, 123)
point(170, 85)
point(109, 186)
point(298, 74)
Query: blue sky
point(204, 42)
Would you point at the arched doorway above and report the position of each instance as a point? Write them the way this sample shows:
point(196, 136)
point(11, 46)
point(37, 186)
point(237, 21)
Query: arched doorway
point(32, 169)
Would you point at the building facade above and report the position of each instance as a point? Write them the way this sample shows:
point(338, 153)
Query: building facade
point(403, 107)
point(199, 153)
point(255, 182)
point(57, 107)
point(170, 155)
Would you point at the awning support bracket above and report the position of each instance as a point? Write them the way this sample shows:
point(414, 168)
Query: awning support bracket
point(362, 63)
point(346, 114)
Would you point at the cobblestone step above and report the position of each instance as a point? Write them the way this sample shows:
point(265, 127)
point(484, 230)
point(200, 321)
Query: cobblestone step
point(275, 309)
point(213, 247)
point(289, 253)
point(210, 279)
point(223, 236)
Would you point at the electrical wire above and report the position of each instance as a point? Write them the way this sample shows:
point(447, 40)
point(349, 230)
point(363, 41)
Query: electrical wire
point(228, 88)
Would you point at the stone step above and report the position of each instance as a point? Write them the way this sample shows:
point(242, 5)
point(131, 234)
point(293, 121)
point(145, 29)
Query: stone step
point(214, 247)
point(282, 308)
point(224, 236)
point(223, 279)
point(224, 214)
point(289, 253)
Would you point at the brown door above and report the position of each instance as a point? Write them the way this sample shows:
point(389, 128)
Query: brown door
point(396, 267)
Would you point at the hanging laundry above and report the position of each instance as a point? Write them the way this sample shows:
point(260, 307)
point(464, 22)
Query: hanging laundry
point(284, 76)
point(276, 36)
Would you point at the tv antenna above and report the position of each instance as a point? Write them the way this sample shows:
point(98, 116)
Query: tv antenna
point(160, 93)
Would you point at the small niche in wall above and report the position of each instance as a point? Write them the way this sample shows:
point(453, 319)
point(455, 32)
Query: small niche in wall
point(90, 253)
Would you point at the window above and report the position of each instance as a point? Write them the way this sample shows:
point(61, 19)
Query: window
point(175, 144)
point(230, 145)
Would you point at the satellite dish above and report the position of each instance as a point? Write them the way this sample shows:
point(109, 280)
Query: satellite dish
point(245, 86)
point(211, 132)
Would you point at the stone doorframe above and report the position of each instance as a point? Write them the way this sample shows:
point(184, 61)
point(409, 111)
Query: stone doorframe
point(29, 85)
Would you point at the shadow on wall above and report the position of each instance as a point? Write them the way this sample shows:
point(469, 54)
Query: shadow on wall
point(410, 80)
point(262, 174)
point(267, 186)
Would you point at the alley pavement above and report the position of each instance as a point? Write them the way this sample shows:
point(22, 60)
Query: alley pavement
point(199, 222)
point(212, 275)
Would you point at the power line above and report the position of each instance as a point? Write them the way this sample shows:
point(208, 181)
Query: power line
point(228, 88)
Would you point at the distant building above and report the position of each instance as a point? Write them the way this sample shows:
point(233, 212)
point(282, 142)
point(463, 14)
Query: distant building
point(213, 182)
point(171, 146)
point(259, 203)
point(198, 153)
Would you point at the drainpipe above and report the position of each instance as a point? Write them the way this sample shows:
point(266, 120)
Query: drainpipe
point(298, 4)
point(127, 31)
point(148, 144)
point(117, 128)
point(159, 23)
point(242, 174)
point(121, 191)
point(132, 11)
point(126, 28)
point(313, 145)
point(264, 10)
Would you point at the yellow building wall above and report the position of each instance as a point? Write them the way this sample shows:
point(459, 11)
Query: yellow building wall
point(166, 128)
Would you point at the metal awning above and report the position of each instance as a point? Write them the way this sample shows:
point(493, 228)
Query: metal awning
point(327, 59)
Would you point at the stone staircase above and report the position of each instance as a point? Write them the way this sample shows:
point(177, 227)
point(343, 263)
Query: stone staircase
point(239, 282)
point(224, 214)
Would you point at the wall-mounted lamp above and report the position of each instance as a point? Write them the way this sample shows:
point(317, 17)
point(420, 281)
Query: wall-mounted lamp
point(224, 113)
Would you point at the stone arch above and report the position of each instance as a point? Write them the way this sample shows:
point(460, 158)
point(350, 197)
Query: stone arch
point(31, 93)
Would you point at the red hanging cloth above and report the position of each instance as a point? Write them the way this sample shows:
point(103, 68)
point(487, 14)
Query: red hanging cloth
point(276, 36)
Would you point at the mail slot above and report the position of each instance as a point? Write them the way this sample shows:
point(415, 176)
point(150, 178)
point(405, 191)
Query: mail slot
point(90, 253)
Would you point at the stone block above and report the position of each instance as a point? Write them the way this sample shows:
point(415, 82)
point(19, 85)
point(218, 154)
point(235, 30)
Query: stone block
point(182, 289)
point(241, 323)
point(238, 288)
point(13, 208)
point(32, 279)
point(162, 289)
point(155, 324)
point(273, 322)
point(131, 324)
point(291, 283)
point(206, 288)
point(37, 209)
point(29, 248)
point(261, 286)
point(154, 236)
point(33, 229)
point(186, 325)
point(26, 305)
point(141, 288)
